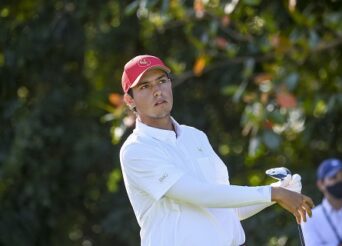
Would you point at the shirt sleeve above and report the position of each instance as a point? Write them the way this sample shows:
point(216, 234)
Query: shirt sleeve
point(248, 211)
point(189, 190)
point(148, 170)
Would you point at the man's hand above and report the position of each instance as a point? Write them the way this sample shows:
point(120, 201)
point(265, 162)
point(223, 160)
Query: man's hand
point(297, 204)
point(290, 182)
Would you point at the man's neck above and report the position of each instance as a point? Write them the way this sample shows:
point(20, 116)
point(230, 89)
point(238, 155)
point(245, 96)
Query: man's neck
point(335, 203)
point(165, 123)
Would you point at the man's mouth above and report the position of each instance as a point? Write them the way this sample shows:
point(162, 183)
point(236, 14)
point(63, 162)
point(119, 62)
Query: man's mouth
point(159, 102)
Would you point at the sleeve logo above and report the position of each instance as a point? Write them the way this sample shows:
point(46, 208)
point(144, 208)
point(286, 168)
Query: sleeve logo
point(163, 177)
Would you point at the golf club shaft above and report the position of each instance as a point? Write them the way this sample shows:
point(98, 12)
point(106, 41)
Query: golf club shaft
point(301, 237)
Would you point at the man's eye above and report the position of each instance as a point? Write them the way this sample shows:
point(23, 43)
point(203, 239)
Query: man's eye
point(143, 87)
point(162, 81)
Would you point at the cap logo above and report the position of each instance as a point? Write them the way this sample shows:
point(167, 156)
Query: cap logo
point(143, 62)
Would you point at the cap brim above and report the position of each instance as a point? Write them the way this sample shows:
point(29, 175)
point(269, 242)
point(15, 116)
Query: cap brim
point(333, 172)
point(137, 80)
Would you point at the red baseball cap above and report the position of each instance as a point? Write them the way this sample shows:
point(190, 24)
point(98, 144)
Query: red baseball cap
point(136, 67)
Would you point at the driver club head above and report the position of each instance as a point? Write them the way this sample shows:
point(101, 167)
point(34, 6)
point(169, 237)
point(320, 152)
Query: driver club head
point(278, 173)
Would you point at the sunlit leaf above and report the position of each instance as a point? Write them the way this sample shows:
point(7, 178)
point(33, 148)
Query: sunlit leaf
point(199, 8)
point(286, 99)
point(254, 144)
point(292, 5)
point(249, 97)
point(116, 99)
point(268, 124)
point(320, 108)
point(280, 43)
point(229, 90)
point(113, 180)
point(221, 42)
point(132, 7)
point(230, 6)
point(199, 66)
point(225, 21)
point(262, 78)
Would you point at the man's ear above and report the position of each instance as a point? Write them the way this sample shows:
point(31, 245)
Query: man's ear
point(129, 101)
point(320, 185)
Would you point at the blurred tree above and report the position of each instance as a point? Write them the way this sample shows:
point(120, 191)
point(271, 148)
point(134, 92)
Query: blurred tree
point(261, 78)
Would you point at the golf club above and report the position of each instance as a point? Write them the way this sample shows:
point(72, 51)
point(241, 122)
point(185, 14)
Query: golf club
point(280, 173)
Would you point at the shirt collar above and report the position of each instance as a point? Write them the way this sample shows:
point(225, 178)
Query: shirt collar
point(157, 133)
point(327, 206)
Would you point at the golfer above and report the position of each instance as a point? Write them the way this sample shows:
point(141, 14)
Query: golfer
point(178, 186)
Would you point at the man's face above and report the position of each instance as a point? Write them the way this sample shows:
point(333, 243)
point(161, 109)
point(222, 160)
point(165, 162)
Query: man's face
point(329, 181)
point(152, 97)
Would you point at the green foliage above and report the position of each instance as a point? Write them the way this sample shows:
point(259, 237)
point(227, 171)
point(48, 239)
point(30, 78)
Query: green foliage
point(262, 79)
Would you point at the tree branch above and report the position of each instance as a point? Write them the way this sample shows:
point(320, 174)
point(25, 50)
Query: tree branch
point(238, 60)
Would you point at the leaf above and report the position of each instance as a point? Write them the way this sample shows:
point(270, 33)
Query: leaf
point(225, 21)
point(165, 6)
point(268, 124)
point(314, 39)
point(292, 80)
point(271, 139)
point(276, 117)
point(262, 78)
point(199, 65)
point(286, 100)
point(280, 43)
point(252, 2)
point(249, 66)
point(230, 7)
point(221, 42)
point(292, 5)
point(240, 90)
point(116, 99)
point(229, 90)
point(254, 144)
point(199, 8)
point(131, 8)
point(113, 180)
point(151, 3)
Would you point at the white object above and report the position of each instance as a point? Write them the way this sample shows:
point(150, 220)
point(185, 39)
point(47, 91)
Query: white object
point(153, 161)
point(290, 182)
point(278, 173)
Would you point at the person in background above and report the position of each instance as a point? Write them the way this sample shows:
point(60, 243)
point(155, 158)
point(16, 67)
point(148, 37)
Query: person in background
point(325, 225)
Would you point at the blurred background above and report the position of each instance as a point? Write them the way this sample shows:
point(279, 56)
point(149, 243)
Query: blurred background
point(262, 78)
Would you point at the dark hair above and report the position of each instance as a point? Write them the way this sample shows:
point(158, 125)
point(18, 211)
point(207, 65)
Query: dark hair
point(130, 92)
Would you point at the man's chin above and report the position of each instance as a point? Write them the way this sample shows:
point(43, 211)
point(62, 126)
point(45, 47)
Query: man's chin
point(162, 116)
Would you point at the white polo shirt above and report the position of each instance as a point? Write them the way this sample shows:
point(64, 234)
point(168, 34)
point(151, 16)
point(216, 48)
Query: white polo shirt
point(317, 231)
point(152, 161)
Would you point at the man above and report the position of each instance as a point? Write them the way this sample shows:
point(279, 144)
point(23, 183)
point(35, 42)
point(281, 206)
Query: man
point(178, 187)
point(325, 226)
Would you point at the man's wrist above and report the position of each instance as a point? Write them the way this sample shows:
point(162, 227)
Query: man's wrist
point(276, 193)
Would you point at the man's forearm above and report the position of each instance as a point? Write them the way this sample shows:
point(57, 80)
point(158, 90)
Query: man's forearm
point(189, 190)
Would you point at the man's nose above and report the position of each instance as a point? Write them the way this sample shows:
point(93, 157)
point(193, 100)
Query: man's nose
point(157, 89)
